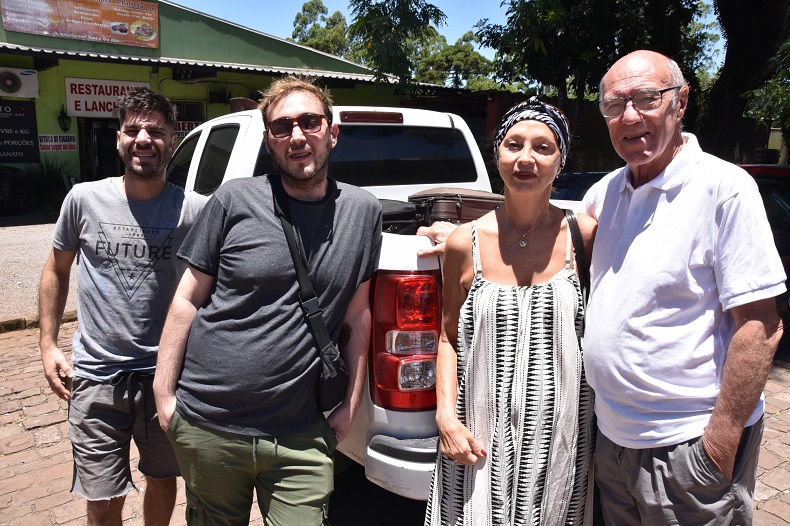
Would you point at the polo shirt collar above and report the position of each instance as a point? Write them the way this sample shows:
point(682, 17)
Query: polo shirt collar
point(678, 170)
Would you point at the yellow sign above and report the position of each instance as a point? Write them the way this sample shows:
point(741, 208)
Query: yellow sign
point(122, 22)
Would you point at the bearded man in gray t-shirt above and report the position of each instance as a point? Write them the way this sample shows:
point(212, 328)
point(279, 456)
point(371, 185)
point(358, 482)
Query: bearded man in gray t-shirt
point(237, 369)
point(126, 232)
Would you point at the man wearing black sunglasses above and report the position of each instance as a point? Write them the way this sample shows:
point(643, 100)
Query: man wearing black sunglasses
point(238, 363)
point(682, 324)
point(300, 145)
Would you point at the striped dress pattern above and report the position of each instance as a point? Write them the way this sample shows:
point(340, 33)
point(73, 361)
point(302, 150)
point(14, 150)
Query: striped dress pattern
point(523, 395)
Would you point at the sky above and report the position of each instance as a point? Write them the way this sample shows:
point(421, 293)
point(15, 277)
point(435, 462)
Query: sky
point(276, 17)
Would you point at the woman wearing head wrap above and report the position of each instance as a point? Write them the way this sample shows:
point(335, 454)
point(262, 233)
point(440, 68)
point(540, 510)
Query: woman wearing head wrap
point(514, 411)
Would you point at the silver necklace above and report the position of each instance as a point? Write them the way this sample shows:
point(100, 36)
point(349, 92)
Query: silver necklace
point(523, 241)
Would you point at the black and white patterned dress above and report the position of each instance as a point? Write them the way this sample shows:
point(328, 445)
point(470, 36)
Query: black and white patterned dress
point(522, 393)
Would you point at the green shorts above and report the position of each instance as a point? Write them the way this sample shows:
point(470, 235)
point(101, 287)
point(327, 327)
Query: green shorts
point(293, 475)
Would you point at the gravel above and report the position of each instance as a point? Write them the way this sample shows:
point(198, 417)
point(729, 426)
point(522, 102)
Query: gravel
point(25, 243)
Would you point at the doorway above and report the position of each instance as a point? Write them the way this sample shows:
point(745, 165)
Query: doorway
point(98, 151)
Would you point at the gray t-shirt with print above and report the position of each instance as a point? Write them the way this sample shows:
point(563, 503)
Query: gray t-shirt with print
point(251, 363)
point(127, 272)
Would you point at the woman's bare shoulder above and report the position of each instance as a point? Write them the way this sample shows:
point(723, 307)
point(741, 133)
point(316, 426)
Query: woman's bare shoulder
point(460, 238)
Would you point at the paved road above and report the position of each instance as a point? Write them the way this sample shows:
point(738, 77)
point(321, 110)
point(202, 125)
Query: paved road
point(25, 243)
point(35, 457)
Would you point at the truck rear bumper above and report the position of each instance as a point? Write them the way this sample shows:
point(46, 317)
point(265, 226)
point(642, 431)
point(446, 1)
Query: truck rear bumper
point(402, 466)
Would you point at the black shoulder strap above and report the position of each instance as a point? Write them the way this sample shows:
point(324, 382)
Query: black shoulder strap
point(581, 253)
point(307, 297)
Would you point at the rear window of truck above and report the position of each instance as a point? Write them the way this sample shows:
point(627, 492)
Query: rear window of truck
point(395, 155)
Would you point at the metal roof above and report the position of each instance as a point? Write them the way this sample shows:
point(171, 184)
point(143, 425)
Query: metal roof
point(180, 62)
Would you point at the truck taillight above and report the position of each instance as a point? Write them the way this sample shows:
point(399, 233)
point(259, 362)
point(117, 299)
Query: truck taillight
point(406, 318)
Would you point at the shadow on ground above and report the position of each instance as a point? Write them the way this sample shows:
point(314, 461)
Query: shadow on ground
point(358, 502)
point(38, 215)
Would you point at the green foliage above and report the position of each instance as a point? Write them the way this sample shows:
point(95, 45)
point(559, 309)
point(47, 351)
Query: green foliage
point(307, 19)
point(426, 55)
point(771, 103)
point(50, 178)
point(385, 27)
point(313, 28)
point(464, 62)
point(438, 63)
point(703, 35)
point(420, 48)
point(755, 33)
point(550, 41)
point(478, 83)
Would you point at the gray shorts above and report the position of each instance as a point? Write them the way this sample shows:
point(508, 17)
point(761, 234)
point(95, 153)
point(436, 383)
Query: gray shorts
point(103, 419)
point(676, 484)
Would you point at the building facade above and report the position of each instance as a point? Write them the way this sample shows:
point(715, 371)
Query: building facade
point(63, 64)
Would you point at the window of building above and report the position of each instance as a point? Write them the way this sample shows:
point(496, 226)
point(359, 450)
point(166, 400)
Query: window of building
point(190, 110)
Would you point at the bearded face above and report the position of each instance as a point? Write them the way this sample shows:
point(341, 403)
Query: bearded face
point(305, 166)
point(302, 158)
point(145, 145)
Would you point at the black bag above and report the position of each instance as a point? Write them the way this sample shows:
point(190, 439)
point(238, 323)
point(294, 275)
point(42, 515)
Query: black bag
point(333, 379)
point(398, 217)
point(581, 259)
point(581, 254)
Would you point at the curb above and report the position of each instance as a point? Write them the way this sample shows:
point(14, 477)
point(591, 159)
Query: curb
point(16, 324)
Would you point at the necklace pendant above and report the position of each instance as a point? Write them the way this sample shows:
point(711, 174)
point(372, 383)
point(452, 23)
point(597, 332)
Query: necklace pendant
point(522, 242)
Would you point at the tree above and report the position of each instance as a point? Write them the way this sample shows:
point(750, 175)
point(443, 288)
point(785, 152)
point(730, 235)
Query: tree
point(771, 103)
point(385, 27)
point(703, 33)
point(438, 63)
point(566, 45)
point(464, 62)
point(755, 32)
point(554, 41)
point(430, 59)
point(329, 37)
point(426, 54)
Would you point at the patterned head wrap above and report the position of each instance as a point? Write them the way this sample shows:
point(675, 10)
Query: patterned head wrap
point(535, 110)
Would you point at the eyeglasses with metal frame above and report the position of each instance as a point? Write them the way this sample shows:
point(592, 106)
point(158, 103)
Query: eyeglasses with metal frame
point(644, 101)
point(307, 122)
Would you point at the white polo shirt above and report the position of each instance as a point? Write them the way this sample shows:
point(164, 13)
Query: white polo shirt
point(670, 259)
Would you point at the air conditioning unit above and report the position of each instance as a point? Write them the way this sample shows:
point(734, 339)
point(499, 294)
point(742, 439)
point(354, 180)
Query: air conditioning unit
point(16, 82)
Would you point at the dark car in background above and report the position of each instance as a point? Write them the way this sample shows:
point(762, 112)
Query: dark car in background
point(773, 180)
point(572, 186)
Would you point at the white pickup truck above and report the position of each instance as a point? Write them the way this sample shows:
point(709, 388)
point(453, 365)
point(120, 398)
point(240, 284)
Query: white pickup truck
point(393, 153)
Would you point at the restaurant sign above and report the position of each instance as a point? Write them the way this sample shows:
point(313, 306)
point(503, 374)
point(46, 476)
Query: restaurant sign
point(96, 97)
point(120, 22)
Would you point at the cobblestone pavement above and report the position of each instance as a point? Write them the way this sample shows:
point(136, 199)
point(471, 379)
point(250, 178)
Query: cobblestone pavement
point(35, 454)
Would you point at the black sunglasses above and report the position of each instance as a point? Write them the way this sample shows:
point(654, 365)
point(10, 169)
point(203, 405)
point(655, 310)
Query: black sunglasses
point(307, 122)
